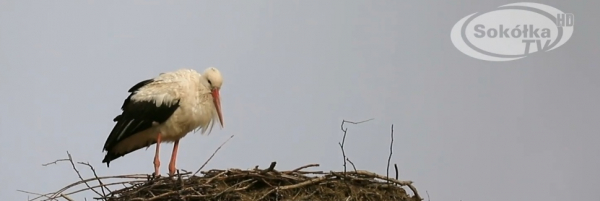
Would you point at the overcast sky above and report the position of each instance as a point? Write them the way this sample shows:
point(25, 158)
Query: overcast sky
point(466, 129)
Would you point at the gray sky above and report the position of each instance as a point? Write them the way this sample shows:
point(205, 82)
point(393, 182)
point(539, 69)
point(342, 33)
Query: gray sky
point(465, 129)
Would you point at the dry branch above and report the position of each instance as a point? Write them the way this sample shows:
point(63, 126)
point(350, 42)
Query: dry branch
point(391, 152)
point(345, 131)
point(61, 193)
point(213, 154)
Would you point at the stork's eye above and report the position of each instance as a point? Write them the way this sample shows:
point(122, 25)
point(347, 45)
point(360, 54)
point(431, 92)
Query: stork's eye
point(209, 82)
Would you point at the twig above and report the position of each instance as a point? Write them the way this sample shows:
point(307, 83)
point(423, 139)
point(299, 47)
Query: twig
point(132, 176)
point(304, 167)
point(271, 168)
point(66, 197)
point(396, 168)
point(166, 194)
point(211, 156)
point(402, 183)
point(391, 151)
point(351, 163)
point(345, 130)
point(427, 196)
point(59, 193)
point(312, 181)
point(353, 122)
point(107, 184)
point(216, 176)
point(342, 146)
point(344, 158)
point(233, 186)
point(56, 161)
point(102, 186)
point(343, 152)
point(32, 193)
point(79, 174)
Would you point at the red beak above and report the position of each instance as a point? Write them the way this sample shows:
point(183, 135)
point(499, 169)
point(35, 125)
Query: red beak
point(217, 101)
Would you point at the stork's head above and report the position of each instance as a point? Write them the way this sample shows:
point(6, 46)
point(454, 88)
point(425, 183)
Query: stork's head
point(214, 80)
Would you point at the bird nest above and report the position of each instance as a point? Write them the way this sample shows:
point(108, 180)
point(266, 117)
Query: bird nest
point(269, 184)
point(245, 185)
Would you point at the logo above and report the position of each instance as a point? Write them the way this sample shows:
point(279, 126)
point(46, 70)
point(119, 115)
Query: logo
point(512, 31)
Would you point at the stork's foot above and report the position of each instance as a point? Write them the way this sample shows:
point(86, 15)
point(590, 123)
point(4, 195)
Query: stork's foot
point(153, 177)
point(172, 169)
point(179, 179)
point(173, 172)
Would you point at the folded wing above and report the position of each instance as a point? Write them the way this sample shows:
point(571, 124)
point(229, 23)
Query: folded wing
point(151, 102)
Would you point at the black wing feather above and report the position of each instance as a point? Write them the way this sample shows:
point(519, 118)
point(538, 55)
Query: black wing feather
point(137, 116)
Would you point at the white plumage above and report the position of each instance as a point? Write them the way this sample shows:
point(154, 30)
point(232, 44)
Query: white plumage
point(165, 109)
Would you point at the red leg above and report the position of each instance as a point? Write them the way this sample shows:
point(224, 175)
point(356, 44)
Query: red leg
point(173, 158)
point(156, 158)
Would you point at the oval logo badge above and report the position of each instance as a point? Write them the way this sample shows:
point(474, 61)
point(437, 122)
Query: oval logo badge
point(512, 31)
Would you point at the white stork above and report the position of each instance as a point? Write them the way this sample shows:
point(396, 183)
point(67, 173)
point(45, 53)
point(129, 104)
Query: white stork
point(165, 109)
